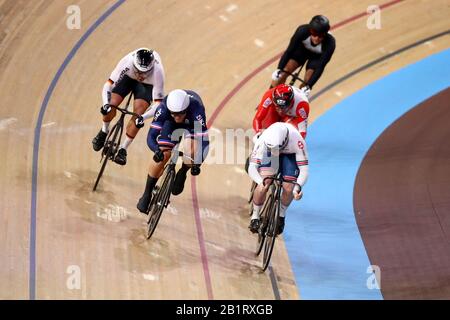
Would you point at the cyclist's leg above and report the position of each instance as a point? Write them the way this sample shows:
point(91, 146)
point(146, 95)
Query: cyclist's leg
point(289, 171)
point(115, 101)
point(267, 168)
point(142, 98)
point(99, 140)
point(195, 147)
point(120, 90)
point(291, 66)
point(297, 59)
point(156, 169)
point(311, 66)
point(259, 196)
point(165, 143)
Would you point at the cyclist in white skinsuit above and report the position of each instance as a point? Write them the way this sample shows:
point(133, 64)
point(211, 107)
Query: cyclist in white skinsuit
point(142, 73)
point(280, 148)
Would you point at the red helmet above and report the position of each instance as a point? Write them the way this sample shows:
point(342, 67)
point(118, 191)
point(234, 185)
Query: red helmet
point(283, 96)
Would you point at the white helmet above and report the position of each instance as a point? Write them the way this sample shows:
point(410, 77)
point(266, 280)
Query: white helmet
point(177, 101)
point(276, 136)
point(143, 59)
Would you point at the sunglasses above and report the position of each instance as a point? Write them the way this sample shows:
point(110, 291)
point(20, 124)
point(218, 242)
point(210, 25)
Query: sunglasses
point(315, 34)
point(178, 113)
point(141, 72)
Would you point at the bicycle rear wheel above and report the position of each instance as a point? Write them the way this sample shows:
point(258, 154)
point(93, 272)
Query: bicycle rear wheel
point(161, 201)
point(271, 233)
point(111, 148)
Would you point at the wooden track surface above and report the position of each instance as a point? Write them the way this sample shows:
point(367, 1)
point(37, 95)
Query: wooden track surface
point(206, 46)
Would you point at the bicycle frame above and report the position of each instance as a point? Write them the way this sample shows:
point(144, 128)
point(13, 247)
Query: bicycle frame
point(111, 146)
point(162, 192)
point(270, 215)
point(119, 124)
point(295, 75)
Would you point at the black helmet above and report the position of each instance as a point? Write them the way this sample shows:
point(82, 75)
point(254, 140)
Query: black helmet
point(320, 24)
point(143, 59)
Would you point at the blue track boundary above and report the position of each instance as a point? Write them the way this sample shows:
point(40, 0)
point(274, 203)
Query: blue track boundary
point(36, 143)
point(322, 238)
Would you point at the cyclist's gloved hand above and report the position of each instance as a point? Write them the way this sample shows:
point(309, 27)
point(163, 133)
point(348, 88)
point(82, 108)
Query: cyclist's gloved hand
point(139, 122)
point(158, 156)
point(297, 192)
point(104, 110)
point(306, 90)
point(195, 170)
point(265, 185)
point(276, 75)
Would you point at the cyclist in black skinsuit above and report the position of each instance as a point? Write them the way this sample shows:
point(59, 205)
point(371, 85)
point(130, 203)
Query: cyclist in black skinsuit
point(310, 42)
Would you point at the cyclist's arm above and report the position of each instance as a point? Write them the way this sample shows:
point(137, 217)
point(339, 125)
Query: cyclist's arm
point(106, 93)
point(151, 109)
point(255, 162)
point(324, 59)
point(254, 174)
point(301, 158)
point(199, 128)
point(259, 117)
point(300, 34)
point(158, 82)
point(152, 140)
point(262, 110)
point(156, 128)
point(158, 91)
point(113, 78)
point(300, 121)
point(201, 135)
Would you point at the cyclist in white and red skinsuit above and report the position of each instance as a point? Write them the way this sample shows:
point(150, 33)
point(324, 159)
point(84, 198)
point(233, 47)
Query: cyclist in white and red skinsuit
point(284, 103)
point(280, 148)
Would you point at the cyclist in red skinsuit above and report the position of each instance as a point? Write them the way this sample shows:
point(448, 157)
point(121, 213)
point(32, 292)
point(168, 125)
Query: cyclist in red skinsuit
point(283, 103)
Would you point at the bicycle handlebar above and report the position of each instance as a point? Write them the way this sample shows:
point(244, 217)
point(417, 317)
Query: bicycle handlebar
point(180, 153)
point(294, 76)
point(280, 179)
point(125, 111)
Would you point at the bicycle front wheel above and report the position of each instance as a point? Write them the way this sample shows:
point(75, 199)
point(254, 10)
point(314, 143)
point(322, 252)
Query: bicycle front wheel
point(271, 233)
point(265, 212)
point(108, 154)
point(161, 201)
point(250, 198)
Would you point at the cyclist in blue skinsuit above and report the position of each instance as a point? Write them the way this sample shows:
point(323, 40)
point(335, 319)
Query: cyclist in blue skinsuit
point(180, 113)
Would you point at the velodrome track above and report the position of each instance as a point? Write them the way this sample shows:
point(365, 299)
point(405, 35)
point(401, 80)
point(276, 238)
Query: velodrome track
point(51, 82)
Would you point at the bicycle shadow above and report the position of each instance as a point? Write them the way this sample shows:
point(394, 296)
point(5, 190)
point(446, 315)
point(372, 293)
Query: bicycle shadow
point(234, 257)
point(156, 255)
